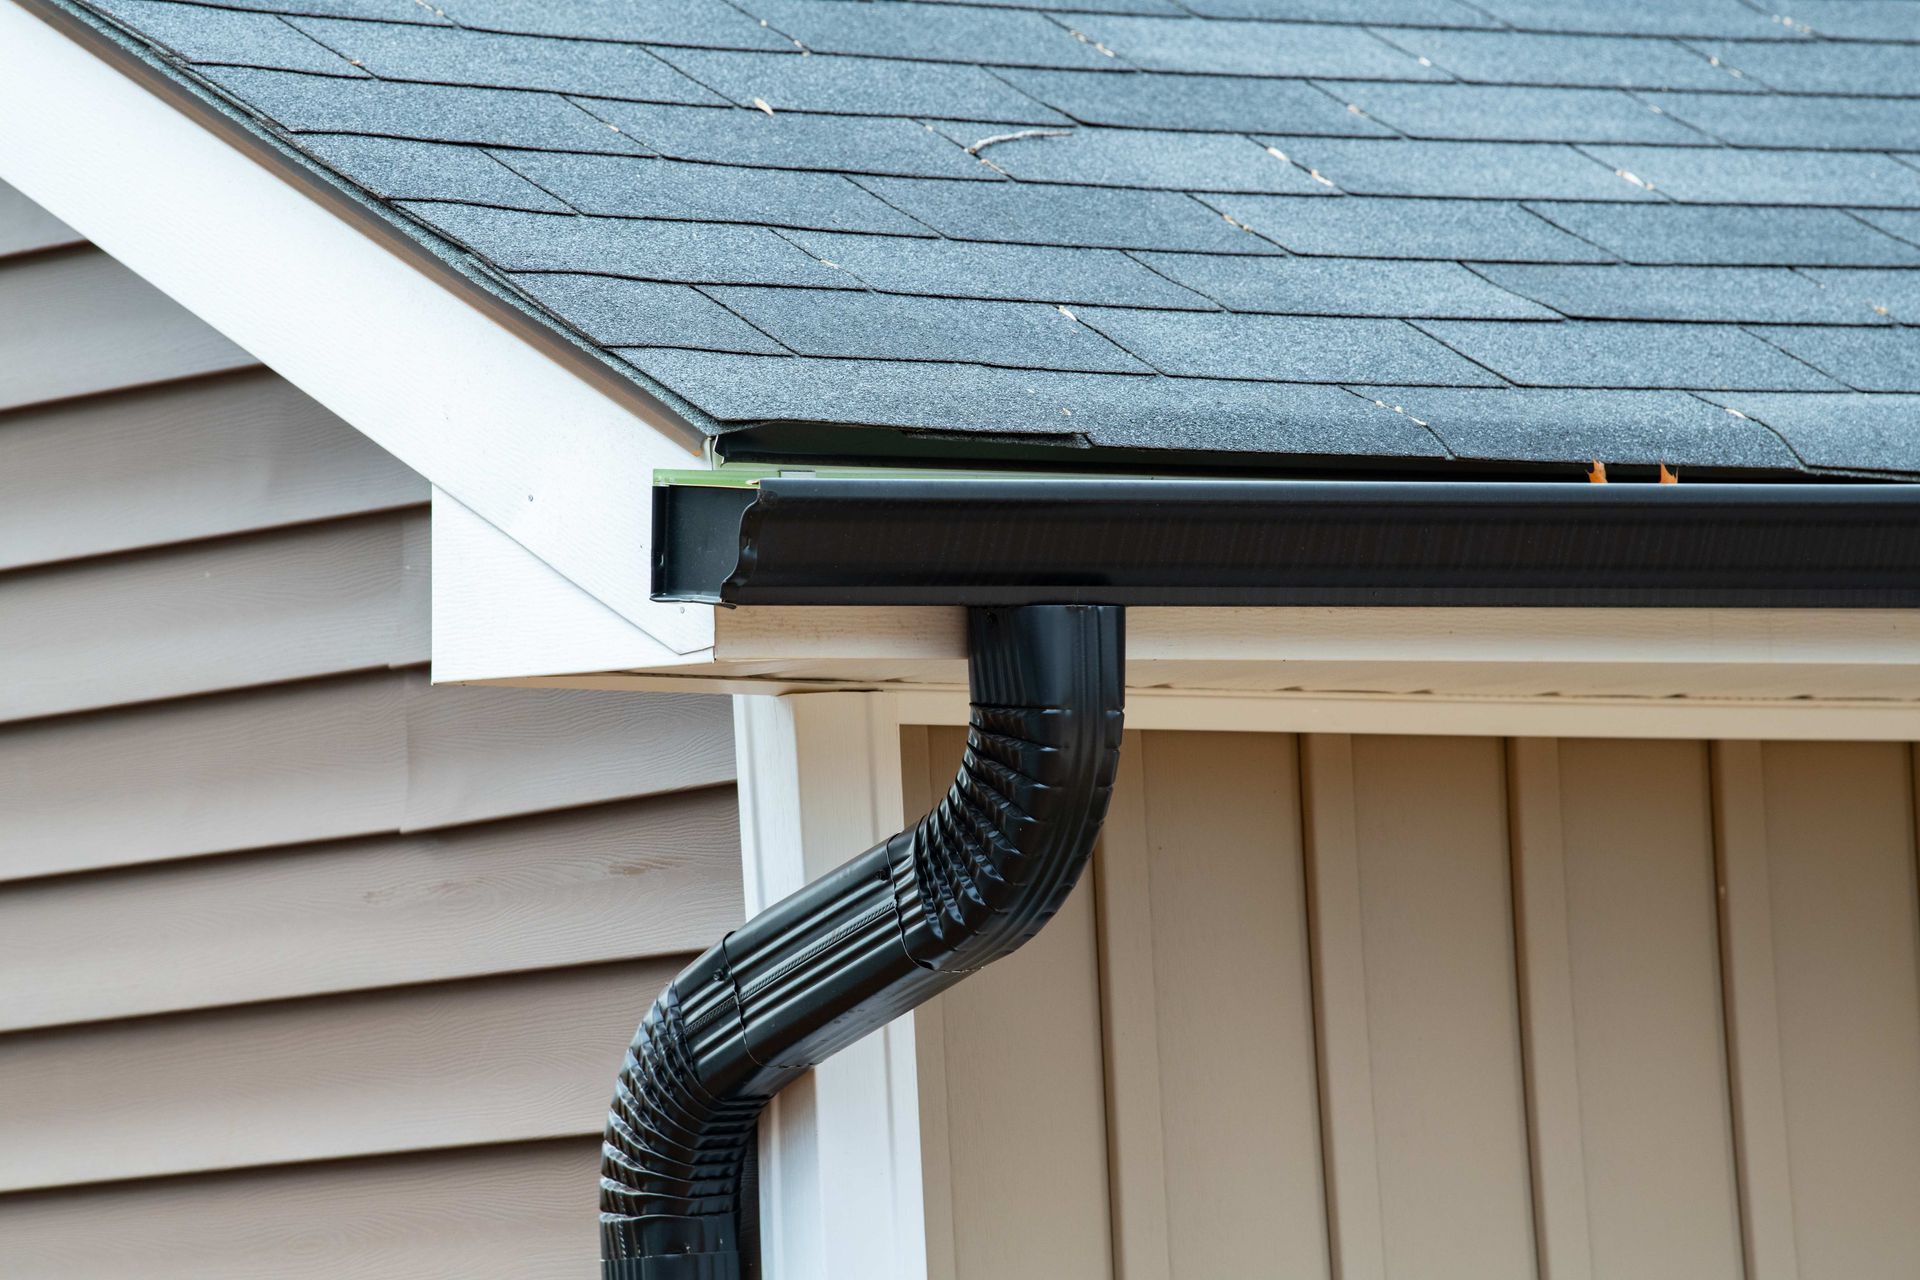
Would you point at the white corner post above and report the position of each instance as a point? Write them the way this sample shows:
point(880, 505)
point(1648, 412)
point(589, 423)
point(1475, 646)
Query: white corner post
point(840, 1165)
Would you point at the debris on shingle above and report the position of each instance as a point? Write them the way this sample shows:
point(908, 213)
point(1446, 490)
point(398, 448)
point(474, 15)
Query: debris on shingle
point(1567, 61)
point(1448, 230)
point(1146, 100)
point(1478, 170)
point(862, 86)
point(1623, 354)
point(793, 140)
point(1506, 113)
point(1155, 160)
point(1286, 348)
point(707, 24)
point(1823, 66)
point(1254, 48)
point(1665, 233)
point(1548, 425)
point(1697, 175)
point(1841, 432)
point(1723, 294)
point(1015, 335)
point(1011, 272)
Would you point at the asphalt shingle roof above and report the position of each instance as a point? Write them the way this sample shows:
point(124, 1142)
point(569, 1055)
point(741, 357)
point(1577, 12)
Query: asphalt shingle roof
point(1414, 232)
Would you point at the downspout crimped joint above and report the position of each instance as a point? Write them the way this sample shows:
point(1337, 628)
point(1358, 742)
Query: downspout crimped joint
point(965, 886)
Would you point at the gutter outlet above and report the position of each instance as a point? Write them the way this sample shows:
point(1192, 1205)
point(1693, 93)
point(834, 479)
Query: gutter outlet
point(884, 933)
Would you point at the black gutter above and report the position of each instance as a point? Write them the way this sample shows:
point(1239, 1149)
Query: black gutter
point(864, 944)
point(1288, 542)
point(1047, 566)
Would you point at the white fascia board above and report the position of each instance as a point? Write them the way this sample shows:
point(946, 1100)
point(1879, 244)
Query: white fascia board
point(376, 333)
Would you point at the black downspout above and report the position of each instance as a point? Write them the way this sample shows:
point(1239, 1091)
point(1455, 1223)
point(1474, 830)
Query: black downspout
point(884, 933)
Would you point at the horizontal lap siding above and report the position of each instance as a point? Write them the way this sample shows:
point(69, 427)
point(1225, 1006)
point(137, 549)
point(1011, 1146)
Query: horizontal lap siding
point(327, 970)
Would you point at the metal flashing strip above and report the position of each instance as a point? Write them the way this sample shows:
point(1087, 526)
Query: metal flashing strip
point(978, 541)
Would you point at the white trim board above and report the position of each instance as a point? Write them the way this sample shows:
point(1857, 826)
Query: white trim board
point(558, 464)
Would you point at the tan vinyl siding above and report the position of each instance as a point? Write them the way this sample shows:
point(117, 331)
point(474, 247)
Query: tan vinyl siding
point(1419, 1008)
point(307, 967)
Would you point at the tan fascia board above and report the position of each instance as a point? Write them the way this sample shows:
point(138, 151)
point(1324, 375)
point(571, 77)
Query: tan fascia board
point(529, 433)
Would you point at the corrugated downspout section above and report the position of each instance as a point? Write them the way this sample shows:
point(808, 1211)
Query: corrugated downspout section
point(887, 931)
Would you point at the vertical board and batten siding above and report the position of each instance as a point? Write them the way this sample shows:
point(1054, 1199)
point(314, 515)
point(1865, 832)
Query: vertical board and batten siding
point(1405, 1008)
point(307, 968)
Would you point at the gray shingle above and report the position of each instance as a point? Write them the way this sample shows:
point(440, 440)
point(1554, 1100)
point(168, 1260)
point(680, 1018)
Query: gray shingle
point(1477, 170)
point(222, 36)
point(1860, 19)
point(1536, 424)
point(1726, 235)
point(381, 10)
point(447, 55)
point(1167, 7)
point(1085, 216)
point(643, 187)
point(1753, 177)
point(888, 393)
point(396, 169)
point(931, 32)
point(790, 140)
point(1343, 287)
point(1723, 294)
point(1017, 335)
point(428, 112)
point(1888, 293)
point(1851, 432)
point(1779, 120)
point(1366, 227)
point(1824, 66)
point(1285, 348)
point(1722, 18)
point(1225, 47)
point(1149, 100)
point(1412, 13)
point(1288, 418)
point(962, 269)
point(692, 252)
point(711, 24)
point(1695, 175)
point(1886, 359)
point(1602, 353)
point(642, 313)
point(1504, 113)
point(1152, 159)
point(1109, 409)
point(1600, 62)
point(861, 86)
point(1901, 225)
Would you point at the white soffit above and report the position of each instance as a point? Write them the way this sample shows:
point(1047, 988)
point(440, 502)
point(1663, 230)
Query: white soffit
point(559, 465)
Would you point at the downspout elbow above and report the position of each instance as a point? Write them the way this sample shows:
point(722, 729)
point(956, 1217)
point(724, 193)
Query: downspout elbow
point(882, 934)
